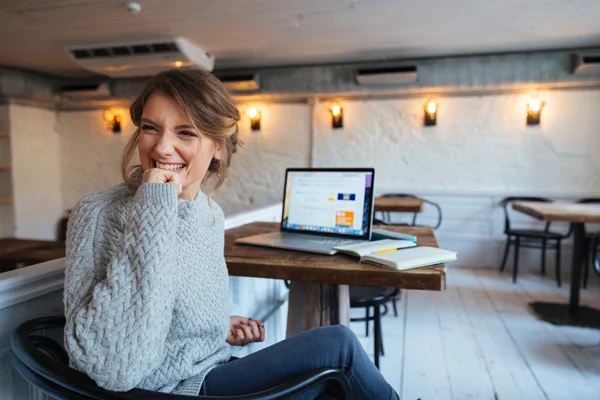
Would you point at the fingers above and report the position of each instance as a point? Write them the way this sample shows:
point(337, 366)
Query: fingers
point(262, 332)
point(248, 335)
point(174, 179)
point(156, 175)
point(240, 337)
point(236, 337)
point(245, 330)
point(257, 329)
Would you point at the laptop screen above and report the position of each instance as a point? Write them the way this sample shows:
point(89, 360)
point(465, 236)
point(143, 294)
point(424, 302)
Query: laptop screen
point(336, 202)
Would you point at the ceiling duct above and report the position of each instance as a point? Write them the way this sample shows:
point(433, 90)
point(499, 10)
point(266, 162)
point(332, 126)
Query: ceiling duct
point(387, 76)
point(85, 92)
point(241, 82)
point(140, 58)
point(588, 64)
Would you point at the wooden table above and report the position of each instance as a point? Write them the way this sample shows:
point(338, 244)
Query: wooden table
point(15, 252)
point(398, 204)
point(312, 275)
point(577, 214)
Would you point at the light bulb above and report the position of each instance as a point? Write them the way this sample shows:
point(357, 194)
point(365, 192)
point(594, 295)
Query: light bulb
point(336, 110)
point(535, 105)
point(252, 113)
point(178, 64)
point(108, 115)
point(431, 107)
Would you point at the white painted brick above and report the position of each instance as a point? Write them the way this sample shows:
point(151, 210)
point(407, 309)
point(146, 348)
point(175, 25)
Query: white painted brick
point(36, 175)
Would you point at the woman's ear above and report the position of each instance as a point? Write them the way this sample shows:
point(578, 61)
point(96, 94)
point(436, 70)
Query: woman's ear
point(218, 154)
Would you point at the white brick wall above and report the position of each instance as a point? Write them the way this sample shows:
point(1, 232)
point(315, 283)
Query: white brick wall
point(480, 144)
point(90, 154)
point(480, 151)
point(36, 175)
point(257, 171)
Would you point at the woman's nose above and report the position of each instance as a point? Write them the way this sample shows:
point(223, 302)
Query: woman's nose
point(165, 145)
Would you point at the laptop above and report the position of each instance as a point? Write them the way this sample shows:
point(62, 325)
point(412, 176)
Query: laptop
point(322, 208)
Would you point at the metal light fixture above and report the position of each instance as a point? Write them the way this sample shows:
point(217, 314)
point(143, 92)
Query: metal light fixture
point(254, 116)
point(431, 108)
point(534, 111)
point(337, 115)
point(113, 118)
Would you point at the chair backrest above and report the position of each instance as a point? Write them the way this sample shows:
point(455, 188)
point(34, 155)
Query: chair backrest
point(507, 201)
point(595, 260)
point(44, 364)
point(590, 200)
point(425, 201)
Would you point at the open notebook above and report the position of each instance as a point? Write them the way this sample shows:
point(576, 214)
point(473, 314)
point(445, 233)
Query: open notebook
point(415, 257)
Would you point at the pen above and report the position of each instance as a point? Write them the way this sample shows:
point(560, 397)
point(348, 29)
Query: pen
point(386, 250)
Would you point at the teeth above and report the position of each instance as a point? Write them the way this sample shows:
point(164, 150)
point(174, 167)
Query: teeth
point(170, 167)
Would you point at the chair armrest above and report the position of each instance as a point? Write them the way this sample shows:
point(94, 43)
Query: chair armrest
point(50, 347)
point(595, 260)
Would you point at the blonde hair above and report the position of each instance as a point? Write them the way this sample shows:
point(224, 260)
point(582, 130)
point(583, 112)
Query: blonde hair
point(208, 105)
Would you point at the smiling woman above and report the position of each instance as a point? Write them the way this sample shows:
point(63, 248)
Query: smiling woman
point(146, 284)
point(186, 123)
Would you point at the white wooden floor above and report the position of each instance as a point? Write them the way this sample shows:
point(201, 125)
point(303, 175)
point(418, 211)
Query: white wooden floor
point(479, 340)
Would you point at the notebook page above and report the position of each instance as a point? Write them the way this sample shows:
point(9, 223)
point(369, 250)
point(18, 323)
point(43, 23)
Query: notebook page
point(362, 249)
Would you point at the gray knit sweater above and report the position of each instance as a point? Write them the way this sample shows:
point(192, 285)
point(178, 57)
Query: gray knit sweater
point(146, 289)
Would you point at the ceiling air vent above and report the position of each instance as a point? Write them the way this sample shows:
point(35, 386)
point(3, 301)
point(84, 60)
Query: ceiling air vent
point(88, 91)
point(386, 76)
point(586, 64)
point(241, 82)
point(140, 58)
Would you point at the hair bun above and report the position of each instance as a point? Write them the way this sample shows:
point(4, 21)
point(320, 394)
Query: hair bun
point(234, 142)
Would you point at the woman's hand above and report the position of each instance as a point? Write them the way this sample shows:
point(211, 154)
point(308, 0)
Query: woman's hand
point(157, 175)
point(245, 330)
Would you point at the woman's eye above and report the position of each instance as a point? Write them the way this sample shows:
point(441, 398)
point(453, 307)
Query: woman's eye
point(148, 128)
point(188, 134)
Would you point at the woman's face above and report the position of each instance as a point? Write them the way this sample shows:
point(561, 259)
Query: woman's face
point(169, 141)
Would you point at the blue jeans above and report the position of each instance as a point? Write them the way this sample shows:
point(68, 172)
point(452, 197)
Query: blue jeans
point(331, 346)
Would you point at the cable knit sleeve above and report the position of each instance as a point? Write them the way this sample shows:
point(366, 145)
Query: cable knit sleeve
point(117, 324)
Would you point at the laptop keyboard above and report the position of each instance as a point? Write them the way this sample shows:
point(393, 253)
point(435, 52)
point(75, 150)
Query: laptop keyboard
point(331, 242)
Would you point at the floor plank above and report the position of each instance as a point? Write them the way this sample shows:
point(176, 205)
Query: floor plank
point(422, 378)
point(472, 380)
point(537, 341)
point(480, 340)
point(510, 372)
point(580, 345)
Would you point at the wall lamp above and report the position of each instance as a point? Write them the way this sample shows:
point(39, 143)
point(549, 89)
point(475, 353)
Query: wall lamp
point(431, 108)
point(254, 116)
point(534, 111)
point(113, 118)
point(337, 115)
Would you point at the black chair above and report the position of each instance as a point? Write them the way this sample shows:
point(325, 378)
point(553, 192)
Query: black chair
point(589, 237)
point(387, 215)
point(595, 261)
point(45, 365)
point(367, 297)
point(531, 238)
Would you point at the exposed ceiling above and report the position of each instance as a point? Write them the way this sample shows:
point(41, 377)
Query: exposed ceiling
point(245, 33)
